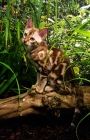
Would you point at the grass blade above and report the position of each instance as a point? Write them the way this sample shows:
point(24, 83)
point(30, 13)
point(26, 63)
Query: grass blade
point(7, 84)
point(15, 77)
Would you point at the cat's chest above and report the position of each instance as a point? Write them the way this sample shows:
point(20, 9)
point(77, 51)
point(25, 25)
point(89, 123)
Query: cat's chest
point(47, 59)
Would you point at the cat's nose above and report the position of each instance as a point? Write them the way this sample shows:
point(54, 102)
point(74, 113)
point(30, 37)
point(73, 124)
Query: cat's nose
point(25, 41)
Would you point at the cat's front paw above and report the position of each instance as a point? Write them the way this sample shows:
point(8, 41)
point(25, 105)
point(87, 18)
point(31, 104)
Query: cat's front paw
point(49, 88)
point(39, 89)
point(34, 86)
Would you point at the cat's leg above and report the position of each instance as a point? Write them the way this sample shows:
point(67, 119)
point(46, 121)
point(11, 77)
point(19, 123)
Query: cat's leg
point(51, 84)
point(49, 88)
point(37, 82)
point(41, 84)
point(38, 74)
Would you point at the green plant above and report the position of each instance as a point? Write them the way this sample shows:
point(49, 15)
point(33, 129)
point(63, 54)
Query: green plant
point(88, 114)
point(6, 82)
point(69, 31)
point(65, 33)
point(12, 53)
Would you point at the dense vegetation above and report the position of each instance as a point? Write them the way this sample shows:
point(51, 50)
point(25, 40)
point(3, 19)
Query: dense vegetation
point(68, 27)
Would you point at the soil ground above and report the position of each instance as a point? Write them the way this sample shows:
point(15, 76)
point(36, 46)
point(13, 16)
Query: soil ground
point(36, 127)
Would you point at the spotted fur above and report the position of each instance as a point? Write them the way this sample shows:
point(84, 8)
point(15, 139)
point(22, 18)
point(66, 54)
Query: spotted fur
point(54, 69)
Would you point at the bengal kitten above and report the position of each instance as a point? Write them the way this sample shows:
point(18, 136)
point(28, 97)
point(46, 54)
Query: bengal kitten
point(54, 69)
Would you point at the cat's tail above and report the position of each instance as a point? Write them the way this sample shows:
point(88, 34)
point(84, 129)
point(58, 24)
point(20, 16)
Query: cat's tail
point(78, 107)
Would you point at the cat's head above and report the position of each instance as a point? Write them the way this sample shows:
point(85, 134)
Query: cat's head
point(32, 36)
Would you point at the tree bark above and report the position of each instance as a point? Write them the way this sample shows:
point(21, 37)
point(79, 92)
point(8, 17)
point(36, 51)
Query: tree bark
point(34, 103)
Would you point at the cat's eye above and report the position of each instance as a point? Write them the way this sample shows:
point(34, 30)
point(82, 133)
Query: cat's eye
point(32, 39)
point(25, 34)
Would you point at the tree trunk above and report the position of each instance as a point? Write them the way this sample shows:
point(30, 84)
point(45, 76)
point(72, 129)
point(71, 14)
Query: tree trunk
point(34, 103)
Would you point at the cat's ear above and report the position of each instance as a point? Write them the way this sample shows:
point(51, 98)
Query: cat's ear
point(43, 32)
point(29, 23)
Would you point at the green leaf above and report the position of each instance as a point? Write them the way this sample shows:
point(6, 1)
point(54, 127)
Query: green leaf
point(18, 30)
point(83, 32)
point(40, 9)
point(4, 51)
point(12, 78)
point(7, 84)
point(3, 71)
point(76, 70)
point(1, 84)
point(42, 25)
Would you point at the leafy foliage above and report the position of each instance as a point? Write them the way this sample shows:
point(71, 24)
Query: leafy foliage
point(68, 26)
point(68, 30)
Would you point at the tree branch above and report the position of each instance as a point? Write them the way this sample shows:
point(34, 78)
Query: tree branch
point(34, 103)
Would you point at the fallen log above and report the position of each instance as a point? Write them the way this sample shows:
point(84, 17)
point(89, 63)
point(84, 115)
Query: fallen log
point(34, 103)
